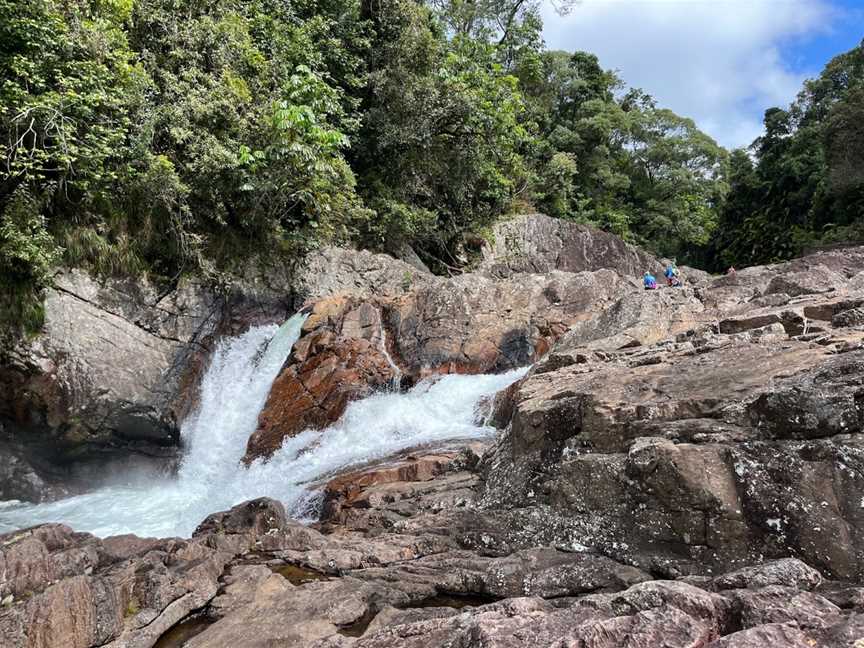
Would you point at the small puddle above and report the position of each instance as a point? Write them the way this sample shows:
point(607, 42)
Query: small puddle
point(297, 575)
point(455, 601)
point(357, 628)
point(179, 634)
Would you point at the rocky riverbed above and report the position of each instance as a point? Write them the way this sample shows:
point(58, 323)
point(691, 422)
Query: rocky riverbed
point(677, 468)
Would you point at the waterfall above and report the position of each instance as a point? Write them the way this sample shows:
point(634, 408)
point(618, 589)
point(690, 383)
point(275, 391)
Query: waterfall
point(233, 392)
point(396, 380)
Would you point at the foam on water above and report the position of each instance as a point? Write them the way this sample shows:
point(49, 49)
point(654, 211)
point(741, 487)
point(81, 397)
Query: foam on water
point(233, 391)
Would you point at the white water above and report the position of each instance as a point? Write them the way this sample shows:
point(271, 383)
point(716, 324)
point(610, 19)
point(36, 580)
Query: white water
point(396, 381)
point(233, 391)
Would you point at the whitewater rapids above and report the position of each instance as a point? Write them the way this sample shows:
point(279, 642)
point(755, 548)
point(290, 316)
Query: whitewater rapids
point(211, 477)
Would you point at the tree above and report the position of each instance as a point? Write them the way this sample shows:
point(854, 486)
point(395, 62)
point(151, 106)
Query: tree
point(808, 187)
point(844, 143)
point(69, 80)
point(733, 242)
point(438, 153)
point(677, 181)
point(612, 159)
point(512, 25)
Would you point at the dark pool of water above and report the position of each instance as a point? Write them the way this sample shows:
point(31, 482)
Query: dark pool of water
point(455, 601)
point(297, 575)
point(183, 632)
point(357, 628)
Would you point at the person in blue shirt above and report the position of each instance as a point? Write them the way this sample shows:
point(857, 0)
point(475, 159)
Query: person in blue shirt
point(649, 281)
point(671, 274)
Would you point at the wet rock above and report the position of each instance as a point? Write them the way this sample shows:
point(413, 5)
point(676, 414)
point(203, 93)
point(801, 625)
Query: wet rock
point(72, 388)
point(341, 357)
point(404, 485)
point(20, 480)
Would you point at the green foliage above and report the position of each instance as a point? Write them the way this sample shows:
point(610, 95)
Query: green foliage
point(807, 186)
point(248, 127)
point(67, 80)
point(298, 183)
point(174, 135)
point(133, 607)
point(438, 154)
point(618, 162)
point(27, 256)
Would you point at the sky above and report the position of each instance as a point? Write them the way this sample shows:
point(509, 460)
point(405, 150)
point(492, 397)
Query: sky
point(720, 62)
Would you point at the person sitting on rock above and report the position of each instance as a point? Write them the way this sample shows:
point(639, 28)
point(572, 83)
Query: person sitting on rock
point(649, 281)
point(672, 275)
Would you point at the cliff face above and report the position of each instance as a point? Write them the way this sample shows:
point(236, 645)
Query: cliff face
point(681, 467)
point(112, 374)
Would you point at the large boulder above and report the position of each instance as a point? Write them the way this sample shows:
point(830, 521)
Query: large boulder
point(65, 589)
point(341, 356)
point(534, 243)
point(62, 588)
point(815, 279)
point(72, 391)
point(358, 273)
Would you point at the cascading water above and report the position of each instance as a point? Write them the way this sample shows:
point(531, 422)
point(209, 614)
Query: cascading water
point(233, 391)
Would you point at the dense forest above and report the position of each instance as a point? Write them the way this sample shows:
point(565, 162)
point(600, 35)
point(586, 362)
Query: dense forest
point(179, 136)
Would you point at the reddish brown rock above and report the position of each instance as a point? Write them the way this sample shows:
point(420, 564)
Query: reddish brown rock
point(340, 357)
point(389, 481)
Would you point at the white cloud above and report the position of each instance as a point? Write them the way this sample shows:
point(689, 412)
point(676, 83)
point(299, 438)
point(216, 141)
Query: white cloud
point(716, 61)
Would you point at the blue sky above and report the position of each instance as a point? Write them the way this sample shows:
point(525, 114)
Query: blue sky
point(721, 62)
